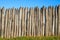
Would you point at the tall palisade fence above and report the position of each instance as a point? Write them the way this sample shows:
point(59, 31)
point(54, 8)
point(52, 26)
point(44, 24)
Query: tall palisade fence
point(29, 22)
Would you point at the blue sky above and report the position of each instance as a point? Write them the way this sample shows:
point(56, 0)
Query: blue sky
point(28, 3)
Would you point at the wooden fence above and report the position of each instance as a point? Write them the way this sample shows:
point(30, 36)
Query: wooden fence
point(20, 22)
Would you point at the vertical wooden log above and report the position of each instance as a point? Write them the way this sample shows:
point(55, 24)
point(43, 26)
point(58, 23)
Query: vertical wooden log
point(30, 11)
point(32, 23)
point(44, 21)
point(53, 17)
point(47, 22)
point(6, 23)
point(13, 20)
point(38, 21)
point(0, 21)
point(15, 24)
point(35, 16)
point(59, 20)
point(18, 22)
point(4, 26)
point(20, 17)
point(56, 21)
point(9, 24)
point(22, 21)
point(26, 10)
point(50, 21)
point(23, 24)
point(36, 13)
point(12, 27)
point(41, 18)
point(28, 23)
point(3, 11)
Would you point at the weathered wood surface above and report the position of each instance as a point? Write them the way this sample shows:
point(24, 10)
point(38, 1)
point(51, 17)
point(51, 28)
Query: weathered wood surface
point(59, 20)
point(16, 22)
point(56, 21)
point(47, 22)
point(2, 28)
point(0, 21)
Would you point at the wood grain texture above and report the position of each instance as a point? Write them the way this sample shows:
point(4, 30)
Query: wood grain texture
point(29, 22)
